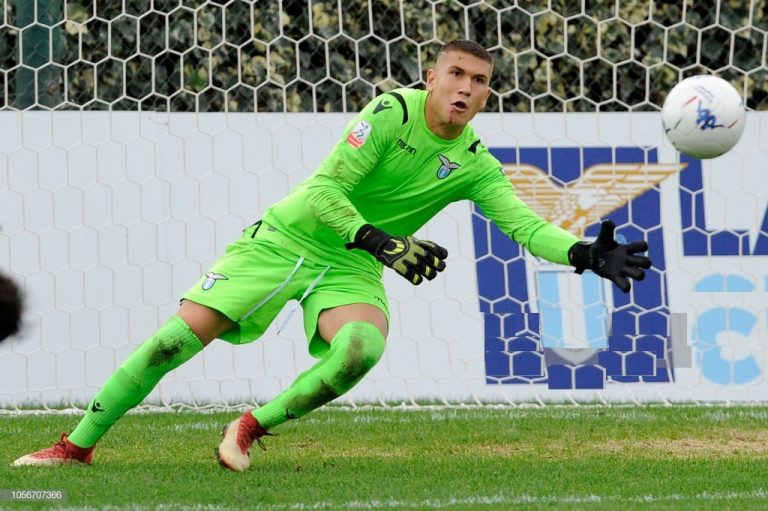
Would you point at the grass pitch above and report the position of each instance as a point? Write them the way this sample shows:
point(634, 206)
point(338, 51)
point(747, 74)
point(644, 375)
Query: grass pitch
point(563, 458)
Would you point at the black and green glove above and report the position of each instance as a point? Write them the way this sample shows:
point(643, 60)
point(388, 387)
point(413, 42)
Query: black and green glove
point(610, 260)
point(412, 258)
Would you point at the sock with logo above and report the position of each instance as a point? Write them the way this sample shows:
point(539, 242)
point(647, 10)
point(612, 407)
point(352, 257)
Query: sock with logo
point(354, 351)
point(172, 345)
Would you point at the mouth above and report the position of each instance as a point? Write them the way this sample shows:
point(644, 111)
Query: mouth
point(459, 106)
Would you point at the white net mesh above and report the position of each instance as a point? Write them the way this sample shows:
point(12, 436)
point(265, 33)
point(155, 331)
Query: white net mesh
point(140, 137)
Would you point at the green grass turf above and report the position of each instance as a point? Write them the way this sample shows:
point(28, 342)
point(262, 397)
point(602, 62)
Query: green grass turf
point(563, 458)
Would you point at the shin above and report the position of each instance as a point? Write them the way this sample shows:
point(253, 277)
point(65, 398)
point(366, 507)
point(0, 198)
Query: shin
point(355, 349)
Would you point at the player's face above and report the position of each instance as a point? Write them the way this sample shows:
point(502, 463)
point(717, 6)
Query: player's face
point(458, 88)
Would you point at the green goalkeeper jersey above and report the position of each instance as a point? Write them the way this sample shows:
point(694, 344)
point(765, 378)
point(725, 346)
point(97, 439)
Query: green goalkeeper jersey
point(391, 171)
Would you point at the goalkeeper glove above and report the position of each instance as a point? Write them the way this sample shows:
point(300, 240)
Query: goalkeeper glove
point(412, 258)
point(610, 260)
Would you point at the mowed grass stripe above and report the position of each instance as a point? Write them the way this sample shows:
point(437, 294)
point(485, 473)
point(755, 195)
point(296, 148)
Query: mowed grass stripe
point(546, 458)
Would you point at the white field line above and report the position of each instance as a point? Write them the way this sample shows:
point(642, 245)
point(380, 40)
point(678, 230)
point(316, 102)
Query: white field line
point(493, 500)
point(520, 500)
point(722, 407)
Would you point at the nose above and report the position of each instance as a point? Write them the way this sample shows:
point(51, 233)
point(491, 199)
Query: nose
point(465, 86)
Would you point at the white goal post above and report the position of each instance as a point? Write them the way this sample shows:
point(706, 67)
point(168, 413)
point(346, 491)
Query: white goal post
point(116, 194)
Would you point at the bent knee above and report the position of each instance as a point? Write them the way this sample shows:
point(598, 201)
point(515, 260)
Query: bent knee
point(362, 344)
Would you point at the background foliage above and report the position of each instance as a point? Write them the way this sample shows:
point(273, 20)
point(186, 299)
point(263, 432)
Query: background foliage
point(335, 55)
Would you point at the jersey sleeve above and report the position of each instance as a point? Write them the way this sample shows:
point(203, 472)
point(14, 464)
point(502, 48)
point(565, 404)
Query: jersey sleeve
point(496, 196)
point(364, 143)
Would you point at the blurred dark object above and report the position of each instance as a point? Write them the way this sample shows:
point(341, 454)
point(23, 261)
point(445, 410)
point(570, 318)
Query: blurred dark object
point(11, 307)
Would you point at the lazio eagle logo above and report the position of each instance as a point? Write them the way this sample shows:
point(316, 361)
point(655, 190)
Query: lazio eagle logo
point(446, 167)
point(211, 278)
point(602, 189)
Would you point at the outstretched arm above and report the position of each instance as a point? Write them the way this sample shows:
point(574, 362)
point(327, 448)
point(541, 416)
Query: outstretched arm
point(605, 257)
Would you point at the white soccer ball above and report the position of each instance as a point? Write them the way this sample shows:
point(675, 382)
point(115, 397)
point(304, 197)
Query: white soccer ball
point(703, 116)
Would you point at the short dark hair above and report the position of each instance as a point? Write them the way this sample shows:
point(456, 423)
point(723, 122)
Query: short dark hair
point(467, 46)
point(11, 307)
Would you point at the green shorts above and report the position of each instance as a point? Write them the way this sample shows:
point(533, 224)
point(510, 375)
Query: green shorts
point(257, 276)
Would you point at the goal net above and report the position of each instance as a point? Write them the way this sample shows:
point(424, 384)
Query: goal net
point(138, 138)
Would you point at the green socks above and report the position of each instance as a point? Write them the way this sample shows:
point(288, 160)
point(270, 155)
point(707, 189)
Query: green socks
point(355, 349)
point(172, 345)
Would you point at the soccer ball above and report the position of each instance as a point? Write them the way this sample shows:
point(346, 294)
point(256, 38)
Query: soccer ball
point(703, 116)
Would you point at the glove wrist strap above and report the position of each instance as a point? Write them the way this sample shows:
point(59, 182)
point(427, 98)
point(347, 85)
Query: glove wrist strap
point(369, 238)
point(578, 256)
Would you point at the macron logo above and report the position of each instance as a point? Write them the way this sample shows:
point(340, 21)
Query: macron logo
point(383, 105)
point(405, 147)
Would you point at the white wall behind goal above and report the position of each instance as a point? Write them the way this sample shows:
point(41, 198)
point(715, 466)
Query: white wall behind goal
point(108, 218)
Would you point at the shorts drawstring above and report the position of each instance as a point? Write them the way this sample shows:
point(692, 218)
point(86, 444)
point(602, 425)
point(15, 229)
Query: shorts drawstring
point(298, 304)
point(276, 290)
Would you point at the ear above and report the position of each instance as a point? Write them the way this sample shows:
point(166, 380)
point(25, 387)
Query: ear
point(487, 95)
point(430, 79)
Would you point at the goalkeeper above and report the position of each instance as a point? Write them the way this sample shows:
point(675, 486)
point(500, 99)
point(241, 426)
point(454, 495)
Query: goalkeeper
point(406, 156)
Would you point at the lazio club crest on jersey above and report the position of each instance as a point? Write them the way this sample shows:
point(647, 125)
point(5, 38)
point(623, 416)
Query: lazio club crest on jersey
point(446, 167)
point(359, 134)
point(211, 278)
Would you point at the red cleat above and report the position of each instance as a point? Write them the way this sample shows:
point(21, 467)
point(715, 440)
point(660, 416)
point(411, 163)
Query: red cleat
point(63, 452)
point(237, 438)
